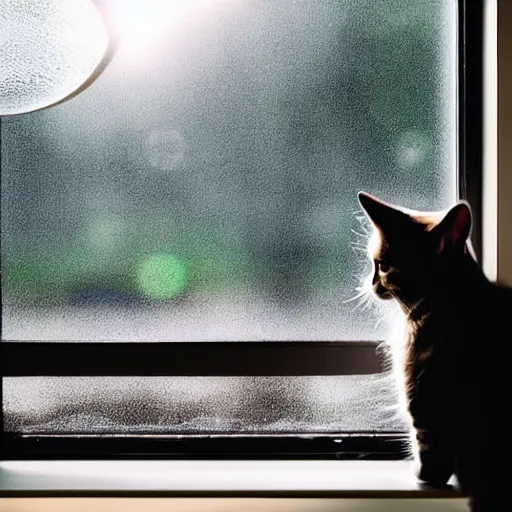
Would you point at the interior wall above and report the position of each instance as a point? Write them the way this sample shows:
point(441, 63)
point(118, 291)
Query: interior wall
point(505, 141)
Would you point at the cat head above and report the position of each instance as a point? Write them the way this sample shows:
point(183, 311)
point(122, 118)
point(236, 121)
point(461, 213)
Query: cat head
point(412, 252)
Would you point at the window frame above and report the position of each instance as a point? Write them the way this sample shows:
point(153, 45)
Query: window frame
point(251, 358)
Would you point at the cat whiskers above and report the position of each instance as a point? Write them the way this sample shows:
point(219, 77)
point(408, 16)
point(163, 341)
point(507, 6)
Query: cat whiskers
point(382, 318)
point(366, 303)
point(358, 248)
point(365, 235)
point(361, 299)
point(365, 298)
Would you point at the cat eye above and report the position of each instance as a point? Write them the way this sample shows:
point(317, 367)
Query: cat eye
point(383, 267)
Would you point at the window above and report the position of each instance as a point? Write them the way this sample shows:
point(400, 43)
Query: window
point(179, 241)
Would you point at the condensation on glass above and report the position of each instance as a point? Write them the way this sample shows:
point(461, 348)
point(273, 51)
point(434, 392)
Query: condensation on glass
point(48, 49)
point(195, 405)
point(204, 187)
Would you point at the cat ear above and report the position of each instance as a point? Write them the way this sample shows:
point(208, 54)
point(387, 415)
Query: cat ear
point(382, 215)
point(455, 227)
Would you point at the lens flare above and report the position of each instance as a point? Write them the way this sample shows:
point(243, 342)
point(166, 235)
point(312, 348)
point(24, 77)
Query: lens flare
point(162, 276)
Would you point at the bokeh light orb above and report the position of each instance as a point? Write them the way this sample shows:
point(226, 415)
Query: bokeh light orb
point(48, 49)
point(162, 276)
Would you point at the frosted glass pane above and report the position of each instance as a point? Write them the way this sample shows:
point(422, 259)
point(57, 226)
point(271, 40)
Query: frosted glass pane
point(48, 49)
point(193, 405)
point(204, 187)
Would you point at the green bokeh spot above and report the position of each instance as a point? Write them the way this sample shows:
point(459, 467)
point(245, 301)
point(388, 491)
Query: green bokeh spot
point(162, 276)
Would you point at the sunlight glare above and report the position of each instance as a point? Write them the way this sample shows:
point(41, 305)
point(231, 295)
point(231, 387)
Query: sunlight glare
point(137, 21)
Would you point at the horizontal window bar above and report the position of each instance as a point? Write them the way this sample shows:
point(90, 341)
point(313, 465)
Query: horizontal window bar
point(360, 446)
point(224, 359)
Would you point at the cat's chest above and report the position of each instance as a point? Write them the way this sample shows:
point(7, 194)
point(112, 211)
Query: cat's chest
point(430, 343)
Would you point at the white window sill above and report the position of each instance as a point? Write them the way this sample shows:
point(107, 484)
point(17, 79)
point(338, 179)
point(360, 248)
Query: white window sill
point(314, 479)
point(231, 505)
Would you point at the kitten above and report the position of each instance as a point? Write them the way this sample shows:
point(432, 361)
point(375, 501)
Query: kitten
point(455, 360)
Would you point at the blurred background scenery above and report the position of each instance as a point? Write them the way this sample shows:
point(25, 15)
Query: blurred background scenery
point(204, 187)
